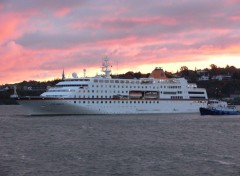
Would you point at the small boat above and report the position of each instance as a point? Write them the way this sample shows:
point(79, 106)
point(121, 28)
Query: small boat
point(216, 107)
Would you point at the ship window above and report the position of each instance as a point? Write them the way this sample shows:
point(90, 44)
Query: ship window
point(74, 101)
point(110, 102)
point(106, 81)
point(105, 101)
point(169, 93)
point(88, 102)
point(83, 101)
point(101, 101)
point(79, 102)
point(122, 101)
point(196, 92)
point(95, 80)
point(111, 81)
point(122, 81)
point(116, 81)
point(127, 81)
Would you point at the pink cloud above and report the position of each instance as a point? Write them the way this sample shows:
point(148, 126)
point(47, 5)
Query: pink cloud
point(39, 38)
point(62, 12)
point(9, 23)
point(117, 23)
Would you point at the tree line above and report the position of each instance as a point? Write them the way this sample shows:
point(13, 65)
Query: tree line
point(215, 88)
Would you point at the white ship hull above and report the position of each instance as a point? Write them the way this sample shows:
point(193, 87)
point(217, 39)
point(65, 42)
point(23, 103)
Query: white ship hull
point(76, 107)
point(104, 95)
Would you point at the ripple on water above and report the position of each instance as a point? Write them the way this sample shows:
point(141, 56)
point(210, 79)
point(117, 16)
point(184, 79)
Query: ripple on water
point(166, 144)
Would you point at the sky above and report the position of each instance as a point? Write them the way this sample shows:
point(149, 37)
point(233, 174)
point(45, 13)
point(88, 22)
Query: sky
point(38, 39)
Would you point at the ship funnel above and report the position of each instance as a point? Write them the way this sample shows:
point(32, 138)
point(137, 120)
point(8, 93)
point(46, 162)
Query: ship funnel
point(158, 73)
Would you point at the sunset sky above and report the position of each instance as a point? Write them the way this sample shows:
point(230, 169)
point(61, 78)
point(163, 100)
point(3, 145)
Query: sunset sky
point(40, 38)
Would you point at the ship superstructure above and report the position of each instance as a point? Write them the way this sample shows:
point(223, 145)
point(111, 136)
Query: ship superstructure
point(105, 95)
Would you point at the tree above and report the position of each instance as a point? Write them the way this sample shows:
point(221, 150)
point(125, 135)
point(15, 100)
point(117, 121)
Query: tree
point(184, 72)
point(183, 68)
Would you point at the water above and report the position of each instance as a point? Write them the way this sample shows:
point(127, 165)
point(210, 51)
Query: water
point(121, 145)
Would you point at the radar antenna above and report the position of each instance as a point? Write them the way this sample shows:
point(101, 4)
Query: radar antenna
point(105, 67)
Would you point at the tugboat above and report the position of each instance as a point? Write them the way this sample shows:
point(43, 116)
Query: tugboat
point(216, 107)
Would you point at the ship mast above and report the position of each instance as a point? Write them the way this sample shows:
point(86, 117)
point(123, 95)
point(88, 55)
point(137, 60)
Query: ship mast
point(105, 67)
point(63, 75)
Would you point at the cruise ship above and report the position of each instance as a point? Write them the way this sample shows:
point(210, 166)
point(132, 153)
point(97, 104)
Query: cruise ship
point(103, 94)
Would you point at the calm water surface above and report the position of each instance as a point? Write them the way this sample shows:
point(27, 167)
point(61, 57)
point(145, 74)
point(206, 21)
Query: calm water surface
point(121, 145)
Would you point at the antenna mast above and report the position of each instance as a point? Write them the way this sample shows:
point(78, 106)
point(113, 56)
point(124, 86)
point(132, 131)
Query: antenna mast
point(84, 73)
point(105, 67)
point(63, 75)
